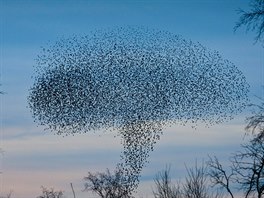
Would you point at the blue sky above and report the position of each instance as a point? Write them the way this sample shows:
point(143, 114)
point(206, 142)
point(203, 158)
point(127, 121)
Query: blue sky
point(34, 157)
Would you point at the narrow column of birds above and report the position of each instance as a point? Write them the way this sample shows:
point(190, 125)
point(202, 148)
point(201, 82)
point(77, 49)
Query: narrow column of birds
point(138, 138)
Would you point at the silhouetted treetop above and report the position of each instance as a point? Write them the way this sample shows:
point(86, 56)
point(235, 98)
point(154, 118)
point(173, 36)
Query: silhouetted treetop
point(253, 19)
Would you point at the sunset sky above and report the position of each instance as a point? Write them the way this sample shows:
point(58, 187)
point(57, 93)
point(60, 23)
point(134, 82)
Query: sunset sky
point(34, 157)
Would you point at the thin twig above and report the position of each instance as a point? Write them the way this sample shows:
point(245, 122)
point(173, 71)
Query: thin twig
point(73, 191)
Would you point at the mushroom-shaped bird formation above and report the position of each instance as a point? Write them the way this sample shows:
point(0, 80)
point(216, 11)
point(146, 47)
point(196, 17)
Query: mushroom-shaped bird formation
point(135, 80)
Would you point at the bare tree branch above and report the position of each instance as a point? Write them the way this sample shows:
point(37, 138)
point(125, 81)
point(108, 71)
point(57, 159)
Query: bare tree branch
point(164, 186)
point(218, 175)
point(255, 123)
point(73, 191)
point(248, 165)
point(108, 185)
point(253, 19)
point(195, 185)
point(50, 193)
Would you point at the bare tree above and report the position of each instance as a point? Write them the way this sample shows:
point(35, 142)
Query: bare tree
point(196, 185)
point(108, 185)
point(50, 193)
point(247, 170)
point(73, 192)
point(248, 167)
point(164, 188)
point(255, 123)
point(219, 176)
point(253, 19)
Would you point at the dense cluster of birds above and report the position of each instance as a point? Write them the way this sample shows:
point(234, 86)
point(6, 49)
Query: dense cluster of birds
point(135, 80)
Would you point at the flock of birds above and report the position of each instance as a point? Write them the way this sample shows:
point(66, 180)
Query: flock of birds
point(136, 81)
